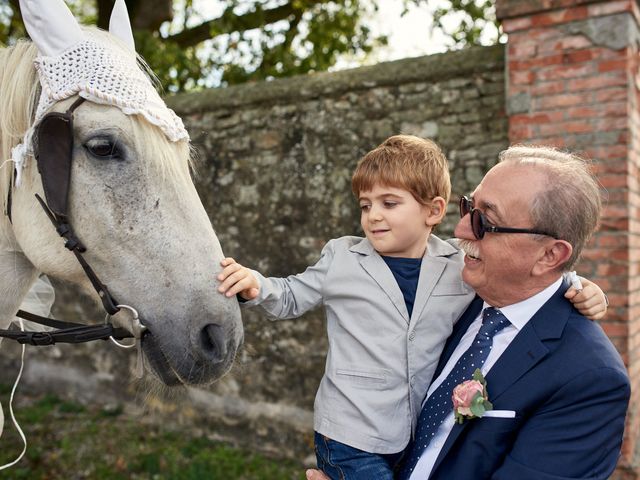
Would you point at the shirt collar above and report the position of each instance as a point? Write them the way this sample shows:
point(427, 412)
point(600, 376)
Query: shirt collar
point(435, 247)
point(520, 313)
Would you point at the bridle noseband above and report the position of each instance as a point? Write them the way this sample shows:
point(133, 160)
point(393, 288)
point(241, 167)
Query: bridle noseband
point(54, 153)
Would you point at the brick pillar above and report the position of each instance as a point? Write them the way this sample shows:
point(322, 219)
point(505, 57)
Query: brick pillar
point(572, 81)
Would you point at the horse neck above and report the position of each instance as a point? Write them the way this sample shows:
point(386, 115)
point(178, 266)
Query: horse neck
point(17, 275)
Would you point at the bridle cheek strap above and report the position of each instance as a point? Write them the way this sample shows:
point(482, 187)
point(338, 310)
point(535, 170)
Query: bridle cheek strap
point(72, 243)
point(54, 153)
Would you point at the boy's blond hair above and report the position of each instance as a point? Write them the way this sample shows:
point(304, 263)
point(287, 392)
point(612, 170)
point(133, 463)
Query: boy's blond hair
point(408, 162)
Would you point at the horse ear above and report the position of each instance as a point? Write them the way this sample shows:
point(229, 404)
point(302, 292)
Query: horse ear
point(120, 26)
point(50, 25)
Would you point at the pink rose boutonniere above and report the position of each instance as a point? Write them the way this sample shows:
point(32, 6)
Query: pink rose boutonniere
point(470, 398)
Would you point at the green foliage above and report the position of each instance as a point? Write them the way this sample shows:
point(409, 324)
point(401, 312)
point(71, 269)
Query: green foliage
point(313, 41)
point(310, 36)
point(67, 440)
point(177, 69)
point(11, 27)
point(251, 40)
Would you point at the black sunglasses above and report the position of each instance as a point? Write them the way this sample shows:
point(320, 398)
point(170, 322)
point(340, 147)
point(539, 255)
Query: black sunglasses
point(480, 225)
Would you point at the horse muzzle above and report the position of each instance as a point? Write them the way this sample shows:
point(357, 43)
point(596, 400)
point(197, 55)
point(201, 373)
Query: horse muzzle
point(199, 354)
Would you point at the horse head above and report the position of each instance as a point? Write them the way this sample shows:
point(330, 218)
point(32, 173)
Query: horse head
point(131, 200)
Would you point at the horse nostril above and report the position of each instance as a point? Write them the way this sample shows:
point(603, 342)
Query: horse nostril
point(213, 342)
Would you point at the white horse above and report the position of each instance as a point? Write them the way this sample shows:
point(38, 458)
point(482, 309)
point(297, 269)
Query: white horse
point(133, 205)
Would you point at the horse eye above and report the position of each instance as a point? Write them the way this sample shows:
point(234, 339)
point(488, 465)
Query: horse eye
point(104, 148)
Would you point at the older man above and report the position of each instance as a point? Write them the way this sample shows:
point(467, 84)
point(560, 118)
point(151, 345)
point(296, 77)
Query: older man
point(558, 388)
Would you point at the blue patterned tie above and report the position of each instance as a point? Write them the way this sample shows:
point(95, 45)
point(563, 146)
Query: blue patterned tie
point(439, 405)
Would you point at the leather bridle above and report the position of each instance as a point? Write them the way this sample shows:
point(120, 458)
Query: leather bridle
point(53, 142)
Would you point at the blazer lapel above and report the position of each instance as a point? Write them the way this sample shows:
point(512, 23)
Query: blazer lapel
point(433, 264)
point(375, 266)
point(523, 353)
point(430, 271)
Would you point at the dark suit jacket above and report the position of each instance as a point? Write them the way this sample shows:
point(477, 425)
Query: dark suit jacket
point(570, 391)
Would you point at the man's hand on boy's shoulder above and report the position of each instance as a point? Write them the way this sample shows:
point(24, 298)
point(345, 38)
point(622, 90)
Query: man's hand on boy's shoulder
point(236, 279)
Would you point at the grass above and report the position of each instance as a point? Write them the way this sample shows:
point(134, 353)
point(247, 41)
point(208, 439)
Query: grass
point(69, 441)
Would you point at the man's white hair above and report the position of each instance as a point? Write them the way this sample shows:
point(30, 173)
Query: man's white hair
point(569, 206)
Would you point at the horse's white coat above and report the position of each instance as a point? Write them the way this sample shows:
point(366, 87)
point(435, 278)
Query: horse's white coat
point(147, 234)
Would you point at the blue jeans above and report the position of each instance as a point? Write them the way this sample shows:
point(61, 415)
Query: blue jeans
point(342, 462)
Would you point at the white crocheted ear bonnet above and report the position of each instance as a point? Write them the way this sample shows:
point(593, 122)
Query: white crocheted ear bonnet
point(72, 61)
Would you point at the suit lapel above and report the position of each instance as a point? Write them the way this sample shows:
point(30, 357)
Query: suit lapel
point(460, 328)
point(525, 351)
point(530, 345)
point(467, 318)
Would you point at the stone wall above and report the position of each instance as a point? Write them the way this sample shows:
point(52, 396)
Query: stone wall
point(274, 169)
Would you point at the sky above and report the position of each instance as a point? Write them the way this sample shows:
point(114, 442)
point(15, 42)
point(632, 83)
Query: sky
point(409, 35)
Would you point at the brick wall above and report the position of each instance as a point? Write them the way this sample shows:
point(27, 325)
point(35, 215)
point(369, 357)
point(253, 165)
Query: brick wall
point(572, 81)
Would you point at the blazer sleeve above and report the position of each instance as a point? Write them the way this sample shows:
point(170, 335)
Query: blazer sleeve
point(576, 434)
point(294, 295)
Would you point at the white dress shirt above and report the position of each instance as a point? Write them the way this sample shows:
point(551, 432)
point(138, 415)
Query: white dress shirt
point(518, 315)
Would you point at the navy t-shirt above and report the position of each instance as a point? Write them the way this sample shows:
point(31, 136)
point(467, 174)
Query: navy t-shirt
point(406, 272)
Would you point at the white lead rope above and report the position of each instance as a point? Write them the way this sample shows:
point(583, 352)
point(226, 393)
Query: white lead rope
point(137, 329)
point(13, 417)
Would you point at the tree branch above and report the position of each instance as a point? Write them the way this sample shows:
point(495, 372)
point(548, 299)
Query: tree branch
point(144, 15)
point(230, 22)
point(104, 13)
point(15, 17)
point(268, 62)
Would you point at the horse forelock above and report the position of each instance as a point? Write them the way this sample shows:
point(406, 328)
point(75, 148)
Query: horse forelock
point(173, 159)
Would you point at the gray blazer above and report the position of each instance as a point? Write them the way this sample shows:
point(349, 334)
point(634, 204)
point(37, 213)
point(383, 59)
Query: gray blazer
point(380, 361)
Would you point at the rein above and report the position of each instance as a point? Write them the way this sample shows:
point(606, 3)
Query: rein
point(53, 152)
point(67, 332)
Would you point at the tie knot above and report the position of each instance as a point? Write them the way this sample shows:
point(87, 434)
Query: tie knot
point(492, 322)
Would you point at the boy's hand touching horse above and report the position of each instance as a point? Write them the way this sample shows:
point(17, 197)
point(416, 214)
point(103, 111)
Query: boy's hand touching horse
point(236, 279)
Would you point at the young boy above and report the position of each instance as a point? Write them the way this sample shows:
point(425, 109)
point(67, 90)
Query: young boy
point(391, 301)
